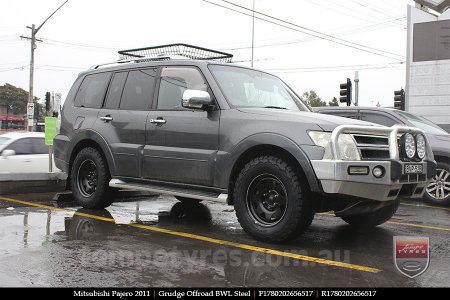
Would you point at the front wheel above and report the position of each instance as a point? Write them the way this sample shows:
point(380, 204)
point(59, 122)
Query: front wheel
point(374, 218)
point(89, 179)
point(438, 191)
point(269, 201)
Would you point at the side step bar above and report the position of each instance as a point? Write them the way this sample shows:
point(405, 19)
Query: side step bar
point(117, 183)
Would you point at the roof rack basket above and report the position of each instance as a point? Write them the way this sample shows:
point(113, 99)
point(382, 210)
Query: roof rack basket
point(180, 50)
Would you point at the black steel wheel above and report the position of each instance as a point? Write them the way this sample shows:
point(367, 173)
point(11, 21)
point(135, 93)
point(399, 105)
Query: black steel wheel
point(90, 178)
point(266, 199)
point(271, 201)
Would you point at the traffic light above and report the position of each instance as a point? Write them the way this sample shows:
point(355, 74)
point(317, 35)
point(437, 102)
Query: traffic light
point(399, 99)
point(346, 92)
point(47, 101)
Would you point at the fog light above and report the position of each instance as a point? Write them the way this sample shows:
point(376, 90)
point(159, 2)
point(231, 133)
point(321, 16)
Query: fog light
point(358, 170)
point(378, 171)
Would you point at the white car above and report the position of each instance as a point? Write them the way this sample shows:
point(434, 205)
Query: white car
point(24, 152)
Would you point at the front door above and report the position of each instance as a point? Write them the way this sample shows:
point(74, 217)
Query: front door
point(181, 144)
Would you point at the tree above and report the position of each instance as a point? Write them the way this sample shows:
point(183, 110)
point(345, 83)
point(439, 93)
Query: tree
point(333, 102)
point(313, 99)
point(16, 99)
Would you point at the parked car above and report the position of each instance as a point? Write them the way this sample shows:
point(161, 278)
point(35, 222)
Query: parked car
point(438, 191)
point(202, 129)
point(23, 152)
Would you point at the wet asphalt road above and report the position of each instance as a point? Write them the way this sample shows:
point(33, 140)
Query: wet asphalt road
point(157, 241)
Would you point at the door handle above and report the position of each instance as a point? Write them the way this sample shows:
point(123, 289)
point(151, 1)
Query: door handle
point(158, 121)
point(106, 119)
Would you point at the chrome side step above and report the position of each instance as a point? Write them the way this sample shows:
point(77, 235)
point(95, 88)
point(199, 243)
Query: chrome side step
point(117, 183)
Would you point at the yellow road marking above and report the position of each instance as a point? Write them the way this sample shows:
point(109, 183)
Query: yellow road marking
point(426, 206)
point(212, 240)
point(402, 223)
point(418, 225)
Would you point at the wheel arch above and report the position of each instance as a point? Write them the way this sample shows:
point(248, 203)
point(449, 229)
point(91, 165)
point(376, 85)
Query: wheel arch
point(90, 138)
point(273, 145)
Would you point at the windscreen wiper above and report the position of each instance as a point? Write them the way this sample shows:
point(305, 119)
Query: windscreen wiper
point(276, 107)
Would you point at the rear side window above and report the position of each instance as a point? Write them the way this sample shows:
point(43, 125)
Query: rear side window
point(21, 147)
point(380, 119)
point(115, 90)
point(138, 91)
point(39, 146)
point(92, 91)
point(345, 114)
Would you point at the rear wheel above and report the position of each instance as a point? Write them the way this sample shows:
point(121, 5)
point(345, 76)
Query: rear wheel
point(374, 218)
point(438, 191)
point(269, 202)
point(90, 179)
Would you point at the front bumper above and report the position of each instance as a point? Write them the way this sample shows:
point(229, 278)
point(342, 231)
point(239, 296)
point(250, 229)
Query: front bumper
point(335, 176)
point(335, 179)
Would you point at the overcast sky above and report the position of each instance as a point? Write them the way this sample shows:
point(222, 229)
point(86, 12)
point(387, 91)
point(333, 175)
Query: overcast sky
point(88, 32)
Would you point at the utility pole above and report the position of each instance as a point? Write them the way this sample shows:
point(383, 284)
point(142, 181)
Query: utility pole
point(356, 87)
point(33, 40)
point(253, 32)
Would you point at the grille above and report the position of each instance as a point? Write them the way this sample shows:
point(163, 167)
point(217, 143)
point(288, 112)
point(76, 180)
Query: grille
point(372, 147)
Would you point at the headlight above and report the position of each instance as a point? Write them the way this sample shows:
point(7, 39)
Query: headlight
point(421, 146)
point(347, 149)
point(410, 145)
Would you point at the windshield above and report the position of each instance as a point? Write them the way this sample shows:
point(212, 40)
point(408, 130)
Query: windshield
point(422, 123)
point(249, 88)
point(3, 140)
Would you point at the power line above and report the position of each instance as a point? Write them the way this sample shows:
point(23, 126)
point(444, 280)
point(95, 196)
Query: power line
point(383, 65)
point(343, 10)
point(311, 32)
point(372, 8)
point(337, 33)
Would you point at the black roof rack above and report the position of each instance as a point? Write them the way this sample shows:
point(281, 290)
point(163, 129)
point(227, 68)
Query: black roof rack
point(171, 51)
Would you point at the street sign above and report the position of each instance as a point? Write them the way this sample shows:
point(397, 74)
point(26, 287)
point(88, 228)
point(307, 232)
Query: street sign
point(30, 110)
point(50, 130)
point(57, 102)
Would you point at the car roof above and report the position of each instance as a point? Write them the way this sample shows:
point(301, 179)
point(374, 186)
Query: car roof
point(22, 134)
point(348, 108)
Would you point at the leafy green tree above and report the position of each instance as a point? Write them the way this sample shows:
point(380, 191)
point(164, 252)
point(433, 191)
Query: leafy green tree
point(17, 99)
point(313, 99)
point(333, 102)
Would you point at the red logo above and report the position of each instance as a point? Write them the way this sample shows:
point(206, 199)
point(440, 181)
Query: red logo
point(411, 255)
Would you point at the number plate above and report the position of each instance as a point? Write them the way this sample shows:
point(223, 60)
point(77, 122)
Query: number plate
point(413, 169)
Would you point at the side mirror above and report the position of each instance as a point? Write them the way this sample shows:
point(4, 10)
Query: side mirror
point(8, 152)
point(196, 99)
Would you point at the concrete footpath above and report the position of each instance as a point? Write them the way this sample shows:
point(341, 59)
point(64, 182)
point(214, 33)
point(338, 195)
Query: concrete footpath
point(22, 183)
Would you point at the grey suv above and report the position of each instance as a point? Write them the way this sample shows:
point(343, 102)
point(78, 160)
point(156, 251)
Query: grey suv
point(201, 129)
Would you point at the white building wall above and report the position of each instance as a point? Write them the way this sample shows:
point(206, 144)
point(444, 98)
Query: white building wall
point(427, 82)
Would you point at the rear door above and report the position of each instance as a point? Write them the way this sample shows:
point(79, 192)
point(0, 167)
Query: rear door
point(123, 117)
point(181, 144)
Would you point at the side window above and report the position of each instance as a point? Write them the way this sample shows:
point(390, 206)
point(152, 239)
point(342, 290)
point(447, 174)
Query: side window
point(379, 119)
point(138, 91)
point(21, 147)
point(174, 81)
point(345, 114)
point(92, 91)
point(115, 90)
point(39, 146)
